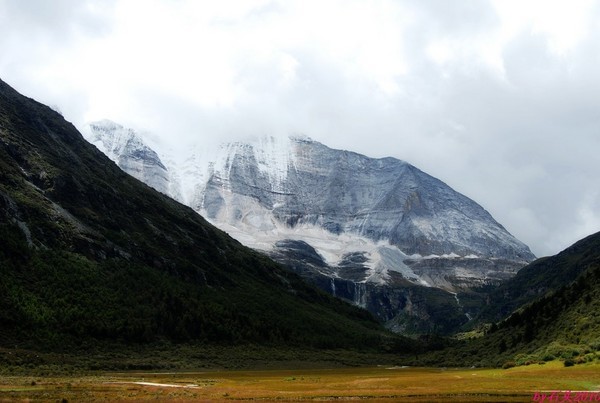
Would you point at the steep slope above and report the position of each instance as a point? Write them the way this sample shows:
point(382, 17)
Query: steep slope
point(561, 322)
point(128, 150)
point(377, 232)
point(304, 183)
point(88, 252)
point(540, 277)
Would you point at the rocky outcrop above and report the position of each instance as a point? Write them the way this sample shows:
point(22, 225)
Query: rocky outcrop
point(126, 148)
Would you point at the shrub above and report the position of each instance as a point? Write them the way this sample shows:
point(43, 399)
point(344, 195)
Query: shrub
point(569, 362)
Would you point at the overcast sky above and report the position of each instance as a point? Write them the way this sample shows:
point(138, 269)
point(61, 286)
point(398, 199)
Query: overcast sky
point(500, 99)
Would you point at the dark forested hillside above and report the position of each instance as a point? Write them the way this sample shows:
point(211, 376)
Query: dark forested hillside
point(563, 323)
point(540, 277)
point(89, 253)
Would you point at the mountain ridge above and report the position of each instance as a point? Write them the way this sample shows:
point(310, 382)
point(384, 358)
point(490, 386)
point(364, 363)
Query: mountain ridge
point(265, 164)
point(90, 254)
point(372, 224)
point(544, 275)
point(549, 311)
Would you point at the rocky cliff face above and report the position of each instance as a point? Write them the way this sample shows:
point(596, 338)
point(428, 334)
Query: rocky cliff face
point(301, 183)
point(378, 232)
point(128, 150)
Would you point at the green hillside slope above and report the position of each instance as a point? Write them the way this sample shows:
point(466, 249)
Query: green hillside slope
point(562, 324)
point(540, 277)
point(89, 253)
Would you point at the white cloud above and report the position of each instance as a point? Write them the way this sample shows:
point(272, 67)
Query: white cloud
point(564, 24)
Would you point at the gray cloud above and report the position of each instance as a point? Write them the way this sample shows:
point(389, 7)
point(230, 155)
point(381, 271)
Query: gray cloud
point(59, 19)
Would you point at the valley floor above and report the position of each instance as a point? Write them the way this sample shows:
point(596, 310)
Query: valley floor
point(381, 383)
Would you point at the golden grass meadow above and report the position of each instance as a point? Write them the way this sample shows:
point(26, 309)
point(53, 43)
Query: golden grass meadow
point(519, 384)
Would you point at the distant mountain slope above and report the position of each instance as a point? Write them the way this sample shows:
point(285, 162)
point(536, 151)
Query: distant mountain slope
point(377, 232)
point(561, 322)
point(126, 149)
point(542, 276)
point(302, 183)
point(88, 252)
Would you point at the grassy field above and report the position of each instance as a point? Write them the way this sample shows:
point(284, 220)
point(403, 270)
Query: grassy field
point(374, 384)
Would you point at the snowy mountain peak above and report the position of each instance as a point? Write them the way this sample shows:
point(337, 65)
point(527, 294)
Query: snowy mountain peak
point(361, 228)
point(126, 148)
point(116, 141)
point(272, 157)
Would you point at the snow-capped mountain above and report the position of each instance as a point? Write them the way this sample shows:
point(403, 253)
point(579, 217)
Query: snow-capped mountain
point(300, 184)
point(378, 232)
point(130, 152)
